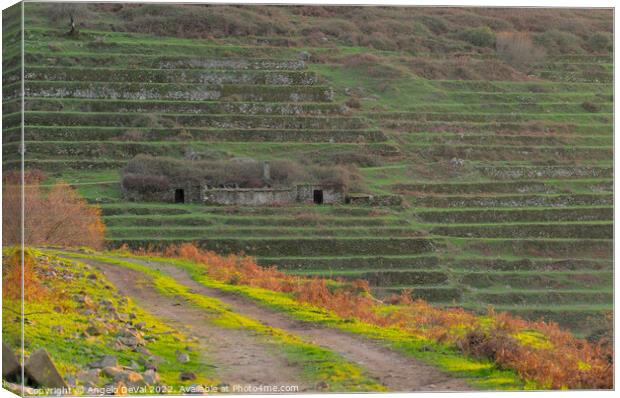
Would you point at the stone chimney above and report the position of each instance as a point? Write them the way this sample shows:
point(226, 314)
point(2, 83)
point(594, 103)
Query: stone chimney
point(266, 173)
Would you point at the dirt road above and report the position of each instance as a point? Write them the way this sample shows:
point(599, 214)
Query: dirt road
point(246, 361)
point(241, 358)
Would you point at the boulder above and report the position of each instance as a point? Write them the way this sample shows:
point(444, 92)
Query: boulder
point(150, 377)
point(120, 316)
point(140, 325)
point(150, 366)
point(41, 370)
point(118, 346)
point(94, 330)
point(104, 362)
point(84, 300)
point(322, 386)
point(10, 363)
point(144, 351)
point(88, 376)
point(187, 376)
point(182, 357)
point(130, 341)
point(71, 380)
point(129, 332)
point(112, 371)
point(152, 362)
point(129, 377)
point(119, 388)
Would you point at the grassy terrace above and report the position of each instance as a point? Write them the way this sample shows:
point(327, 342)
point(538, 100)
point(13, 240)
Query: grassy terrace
point(507, 184)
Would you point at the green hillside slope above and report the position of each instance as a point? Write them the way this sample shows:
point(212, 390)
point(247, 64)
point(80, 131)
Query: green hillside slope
point(505, 168)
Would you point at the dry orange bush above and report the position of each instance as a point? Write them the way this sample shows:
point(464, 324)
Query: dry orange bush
point(12, 278)
point(57, 217)
point(563, 361)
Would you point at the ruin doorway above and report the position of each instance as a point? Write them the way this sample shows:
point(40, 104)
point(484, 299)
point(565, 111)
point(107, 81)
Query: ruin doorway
point(318, 196)
point(179, 196)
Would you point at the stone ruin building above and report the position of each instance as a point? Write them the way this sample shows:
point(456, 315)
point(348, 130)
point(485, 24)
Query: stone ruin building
point(180, 192)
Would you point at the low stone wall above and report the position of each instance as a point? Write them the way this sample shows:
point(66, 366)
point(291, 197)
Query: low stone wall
point(86, 60)
point(249, 197)
point(170, 91)
point(375, 200)
point(131, 195)
point(89, 133)
point(111, 119)
point(185, 107)
point(289, 78)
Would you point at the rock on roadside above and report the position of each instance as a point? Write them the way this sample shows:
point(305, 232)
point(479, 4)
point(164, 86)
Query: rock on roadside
point(10, 363)
point(41, 370)
point(182, 357)
point(104, 362)
point(150, 377)
point(184, 376)
point(89, 376)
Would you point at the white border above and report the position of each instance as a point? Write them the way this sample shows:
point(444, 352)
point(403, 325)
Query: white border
point(462, 3)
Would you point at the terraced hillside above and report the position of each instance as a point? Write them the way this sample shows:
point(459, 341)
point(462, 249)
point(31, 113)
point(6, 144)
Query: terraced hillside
point(507, 182)
point(524, 211)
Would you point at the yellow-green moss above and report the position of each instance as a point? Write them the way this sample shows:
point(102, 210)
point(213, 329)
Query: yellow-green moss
point(533, 338)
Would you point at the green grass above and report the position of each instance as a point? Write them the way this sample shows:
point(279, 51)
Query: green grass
point(129, 43)
point(265, 232)
point(494, 139)
point(582, 117)
point(264, 150)
point(201, 219)
point(157, 61)
point(538, 279)
point(498, 107)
